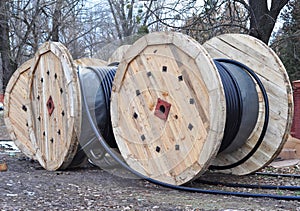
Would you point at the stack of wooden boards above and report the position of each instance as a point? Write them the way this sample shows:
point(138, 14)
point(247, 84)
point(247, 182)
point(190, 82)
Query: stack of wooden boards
point(168, 107)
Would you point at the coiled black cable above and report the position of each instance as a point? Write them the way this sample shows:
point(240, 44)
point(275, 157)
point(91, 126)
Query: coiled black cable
point(266, 116)
point(176, 187)
point(102, 109)
point(102, 113)
point(234, 105)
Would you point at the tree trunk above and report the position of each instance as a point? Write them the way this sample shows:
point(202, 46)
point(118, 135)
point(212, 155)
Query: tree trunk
point(263, 19)
point(8, 64)
point(112, 9)
point(56, 21)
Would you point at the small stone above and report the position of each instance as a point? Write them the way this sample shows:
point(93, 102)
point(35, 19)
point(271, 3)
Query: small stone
point(11, 195)
point(3, 167)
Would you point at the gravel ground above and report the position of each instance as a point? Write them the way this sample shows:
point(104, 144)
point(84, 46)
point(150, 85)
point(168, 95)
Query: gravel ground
point(27, 186)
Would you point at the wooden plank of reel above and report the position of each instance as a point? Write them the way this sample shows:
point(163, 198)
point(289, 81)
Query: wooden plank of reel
point(16, 109)
point(163, 111)
point(118, 54)
point(270, 70)
point(85, 62)
point(55, 106)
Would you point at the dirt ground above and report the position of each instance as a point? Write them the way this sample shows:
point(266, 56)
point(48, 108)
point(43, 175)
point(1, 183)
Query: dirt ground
point(27, 186)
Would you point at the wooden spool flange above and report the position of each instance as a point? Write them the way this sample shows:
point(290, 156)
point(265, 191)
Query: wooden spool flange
point(84, 62)
point(168, 107)
point(118, 54)
point(55, 106)
point(16, 109)
point(270, 70)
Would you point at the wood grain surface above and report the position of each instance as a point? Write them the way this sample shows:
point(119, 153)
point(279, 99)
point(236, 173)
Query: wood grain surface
point(54, 86)
point(164, 71)
point(16, 109)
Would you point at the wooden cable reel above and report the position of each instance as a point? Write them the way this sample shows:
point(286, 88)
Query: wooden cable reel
point(57, 109)
point(168, 106)
point(55, 106)
point(270, 70)
point(16, 108)
point(20, 108)
point(163, 114)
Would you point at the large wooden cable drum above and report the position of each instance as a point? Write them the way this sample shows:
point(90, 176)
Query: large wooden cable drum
point(54, 95)
point(16, 109)
point(168, 108)
point(271, 72)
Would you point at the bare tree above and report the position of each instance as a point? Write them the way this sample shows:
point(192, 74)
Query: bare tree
point(26, 24)
point(56, 20)
point(287, 41)
point(253, 16)
point(217, 17)
point(263, 18)
point(8, 63)
point(133, 16)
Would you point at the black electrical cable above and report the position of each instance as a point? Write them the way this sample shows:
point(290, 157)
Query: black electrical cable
point(163, 184)
point(107, 76)
point(238, 185)
point(266, 116)
point(102, 112)
point(114, 64)
point(277, 174)
point(234, 104)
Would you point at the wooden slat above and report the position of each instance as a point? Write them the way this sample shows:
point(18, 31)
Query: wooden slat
point(118, 54)
point(166, 66)
point(88, 62)
point(266, 64)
